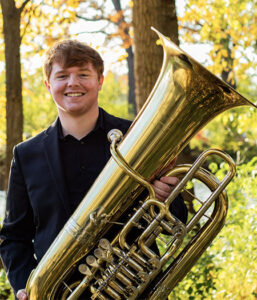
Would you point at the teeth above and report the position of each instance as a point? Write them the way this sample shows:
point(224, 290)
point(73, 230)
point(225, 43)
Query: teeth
point(74, 94)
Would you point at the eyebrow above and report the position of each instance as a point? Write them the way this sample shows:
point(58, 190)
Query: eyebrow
point(64, 70)
point(84, 69)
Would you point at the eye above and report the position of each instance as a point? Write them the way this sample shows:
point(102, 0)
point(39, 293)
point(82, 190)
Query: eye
point(61, 76)
point(84, 75)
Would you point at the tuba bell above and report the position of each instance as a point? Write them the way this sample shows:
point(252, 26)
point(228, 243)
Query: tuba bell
point(96, 240)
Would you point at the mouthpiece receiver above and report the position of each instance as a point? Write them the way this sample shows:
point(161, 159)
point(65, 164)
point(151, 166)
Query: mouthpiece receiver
point(114, 135)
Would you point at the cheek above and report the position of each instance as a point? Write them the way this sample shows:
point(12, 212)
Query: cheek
point(89, 85)
point(93, 86)
point(57, 88)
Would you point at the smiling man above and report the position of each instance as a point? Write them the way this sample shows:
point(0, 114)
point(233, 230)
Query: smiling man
point(51, 172)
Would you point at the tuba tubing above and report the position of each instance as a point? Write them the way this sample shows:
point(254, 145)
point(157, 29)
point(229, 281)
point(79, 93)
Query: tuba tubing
point(184, 99)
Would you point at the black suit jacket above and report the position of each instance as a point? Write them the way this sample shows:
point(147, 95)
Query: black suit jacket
point(37, 201)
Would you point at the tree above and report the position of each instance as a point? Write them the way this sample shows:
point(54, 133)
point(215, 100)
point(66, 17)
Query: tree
point(230, 28)
point(2, 129)
point(148, 56)
point(12, 40)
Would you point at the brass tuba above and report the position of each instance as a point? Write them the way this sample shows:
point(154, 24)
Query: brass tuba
point(96, 240)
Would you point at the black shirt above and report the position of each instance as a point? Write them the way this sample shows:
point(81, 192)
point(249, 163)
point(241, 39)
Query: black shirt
point(83, 160)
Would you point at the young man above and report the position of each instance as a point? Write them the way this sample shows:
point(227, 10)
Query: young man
point(51, 172)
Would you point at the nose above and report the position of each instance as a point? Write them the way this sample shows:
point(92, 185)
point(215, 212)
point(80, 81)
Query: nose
point(72, 80)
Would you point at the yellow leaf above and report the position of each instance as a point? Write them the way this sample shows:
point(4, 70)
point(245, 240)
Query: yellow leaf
point(224, 52)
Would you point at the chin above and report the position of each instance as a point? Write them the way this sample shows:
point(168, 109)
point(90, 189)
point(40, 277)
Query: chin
point(78, 112)
point(78, 109)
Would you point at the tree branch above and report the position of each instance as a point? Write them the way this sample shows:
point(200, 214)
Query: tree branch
point(101, 18)
point(23, 5)
point(96, 31)
point(31, 12)
point(116, 4)
point(190, 29)
point(25, 27)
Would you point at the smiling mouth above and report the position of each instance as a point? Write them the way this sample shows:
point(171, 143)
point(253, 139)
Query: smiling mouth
point(74, 94)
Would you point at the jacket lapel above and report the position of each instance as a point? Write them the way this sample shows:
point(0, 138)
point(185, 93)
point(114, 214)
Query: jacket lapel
point(51, 147)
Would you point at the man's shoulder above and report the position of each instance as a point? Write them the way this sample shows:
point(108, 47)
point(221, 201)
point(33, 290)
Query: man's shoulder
point(112, 122)
point(35, 140)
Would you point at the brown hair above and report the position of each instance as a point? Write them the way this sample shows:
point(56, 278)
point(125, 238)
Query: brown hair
point(70, 53)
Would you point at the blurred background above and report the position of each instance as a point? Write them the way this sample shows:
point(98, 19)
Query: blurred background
point(220, 34)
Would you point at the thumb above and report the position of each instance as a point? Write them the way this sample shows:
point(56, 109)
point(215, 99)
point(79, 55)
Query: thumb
point(21, 295)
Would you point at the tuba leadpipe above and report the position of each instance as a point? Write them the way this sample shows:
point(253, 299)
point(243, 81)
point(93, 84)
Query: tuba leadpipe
point(184, 99)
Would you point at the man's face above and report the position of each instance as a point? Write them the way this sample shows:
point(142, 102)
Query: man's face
point(74, 89)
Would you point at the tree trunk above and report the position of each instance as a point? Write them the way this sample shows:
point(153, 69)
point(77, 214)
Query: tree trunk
point(130, 58)
point(14, 113)
point(131, 82)
point(227, 73)
point(160, 14)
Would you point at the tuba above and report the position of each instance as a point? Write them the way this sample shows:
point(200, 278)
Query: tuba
point(109, 240)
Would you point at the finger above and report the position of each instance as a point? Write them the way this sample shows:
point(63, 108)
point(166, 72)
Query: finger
point(162, 186)
point(160, 194)
point(21, 295)
point(160, 197)
point(170, 180)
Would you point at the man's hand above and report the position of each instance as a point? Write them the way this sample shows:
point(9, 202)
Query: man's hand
point(164, 187)
point(21, 295)
point(166, 184)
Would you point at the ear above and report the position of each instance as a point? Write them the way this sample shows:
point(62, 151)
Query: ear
point(47, 86)
point(100, 83)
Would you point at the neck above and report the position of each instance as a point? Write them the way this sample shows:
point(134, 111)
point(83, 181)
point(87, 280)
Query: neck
point(79, 126)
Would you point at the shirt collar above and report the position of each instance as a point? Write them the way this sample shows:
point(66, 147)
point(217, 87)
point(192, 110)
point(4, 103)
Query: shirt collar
point(60, 132)
point(99, 125)
point(100, 120)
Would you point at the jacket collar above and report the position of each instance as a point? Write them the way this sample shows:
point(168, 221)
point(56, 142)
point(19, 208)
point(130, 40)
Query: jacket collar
point(51, 147)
